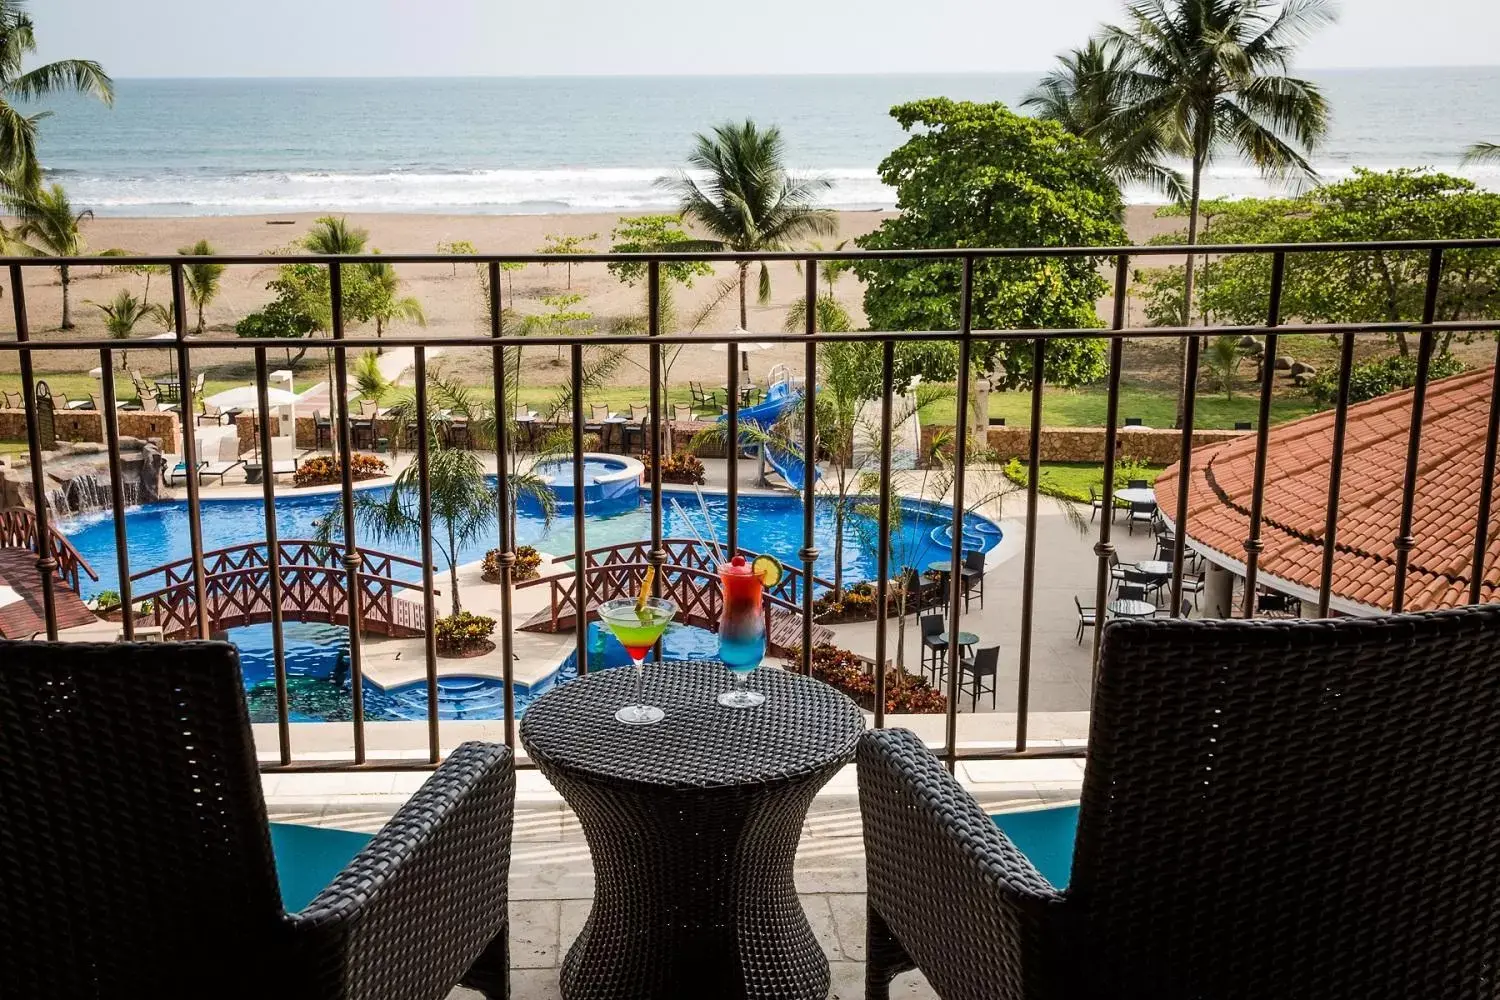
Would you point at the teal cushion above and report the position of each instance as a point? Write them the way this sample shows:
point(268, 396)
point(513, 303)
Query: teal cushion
point(1045, 836)
point(308, 858)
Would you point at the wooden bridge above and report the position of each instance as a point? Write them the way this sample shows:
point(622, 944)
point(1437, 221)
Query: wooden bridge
point(20, 544)
point(314, 588)
point(689, 578)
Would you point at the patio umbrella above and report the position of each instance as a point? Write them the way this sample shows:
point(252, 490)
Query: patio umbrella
point(247, 397)
point(746, 348)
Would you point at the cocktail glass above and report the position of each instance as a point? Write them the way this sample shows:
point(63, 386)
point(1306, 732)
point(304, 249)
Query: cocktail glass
point(742, 631)
point(638, 626)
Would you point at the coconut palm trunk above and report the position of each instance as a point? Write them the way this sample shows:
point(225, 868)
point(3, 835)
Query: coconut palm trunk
point(67, 298)
point(1194, 198)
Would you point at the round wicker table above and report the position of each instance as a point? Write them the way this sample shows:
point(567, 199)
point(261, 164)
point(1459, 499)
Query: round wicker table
point(693, 826)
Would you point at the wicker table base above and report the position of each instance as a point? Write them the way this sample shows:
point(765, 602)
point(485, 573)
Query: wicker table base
point(693, 826)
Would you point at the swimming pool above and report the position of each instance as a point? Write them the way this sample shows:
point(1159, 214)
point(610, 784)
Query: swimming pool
point(611, 483)
point(158, 533)
point(318, 685)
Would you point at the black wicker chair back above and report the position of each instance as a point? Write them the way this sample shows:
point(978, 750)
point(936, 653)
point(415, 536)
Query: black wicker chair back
point(135, 857)
point(1271, 808)
point(133, 815)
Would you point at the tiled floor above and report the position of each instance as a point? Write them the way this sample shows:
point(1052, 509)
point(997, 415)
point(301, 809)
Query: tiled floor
point(552, 879)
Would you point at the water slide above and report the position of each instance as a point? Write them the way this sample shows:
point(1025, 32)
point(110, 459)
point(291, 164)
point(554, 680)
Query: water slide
point(781, 396)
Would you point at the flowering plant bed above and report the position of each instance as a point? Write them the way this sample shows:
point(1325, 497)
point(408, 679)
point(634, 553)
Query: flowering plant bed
point(324, 471)
point(526, 567)
point(905, 693)
point(464, 634)
point(856, 605)
point(682, 468)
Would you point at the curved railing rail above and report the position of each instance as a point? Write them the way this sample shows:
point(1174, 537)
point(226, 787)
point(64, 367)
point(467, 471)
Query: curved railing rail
point(689, 552)
point(18, 530)
point(314, 588)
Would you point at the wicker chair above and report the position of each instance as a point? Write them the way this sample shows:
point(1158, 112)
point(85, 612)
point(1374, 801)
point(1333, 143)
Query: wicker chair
point(137, 860)
point(1271, 809)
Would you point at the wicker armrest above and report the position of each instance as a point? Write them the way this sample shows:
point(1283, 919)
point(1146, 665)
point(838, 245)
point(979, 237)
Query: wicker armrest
point(414, 909)
point(948, 892)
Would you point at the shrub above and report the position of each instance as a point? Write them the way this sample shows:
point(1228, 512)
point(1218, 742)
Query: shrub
point(904, 693)
point(463, 632)
point(528, 559)
point(106, 599)
point(1378, 377)
point(857, 604)
point(683, 467)
point(323, 470)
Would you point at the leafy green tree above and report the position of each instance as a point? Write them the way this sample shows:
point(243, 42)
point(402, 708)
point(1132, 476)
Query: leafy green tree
point(559, 243)
point(281, 318)
point(18, 132)
point(654, 234)
point(748, 202)
point(124, 312)
point(1081, 96)
point(1202, 76)
point(48, 226)
point(369, 381)
point(978, 175)
point(562, 317)
point(1365, 286)
point(385, 303)
point(202, 278)
point(332, 236)
point(1223, 359)
point(829, 313)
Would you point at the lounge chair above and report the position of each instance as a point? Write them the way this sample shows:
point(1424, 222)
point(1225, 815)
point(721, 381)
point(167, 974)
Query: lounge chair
point(139, 862)
point(179, 471)
point(228, 460)
point(1270, 809)
point(284, 457)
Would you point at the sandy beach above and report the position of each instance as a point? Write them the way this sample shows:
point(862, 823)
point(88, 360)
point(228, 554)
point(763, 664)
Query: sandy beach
point(451, 296)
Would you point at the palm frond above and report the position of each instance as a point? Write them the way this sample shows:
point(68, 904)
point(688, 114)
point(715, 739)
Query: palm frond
point(81, 76)
point(1482, 152)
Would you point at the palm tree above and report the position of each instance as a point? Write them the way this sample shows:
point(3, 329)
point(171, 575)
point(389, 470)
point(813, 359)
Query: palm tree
point(829, 313)
point(1482, 152)
point(748, 202)
point(1079, 96)
point(1198, 76)
point(202, 277)
point(50, 227)
point(334, 236)
point(123, 314)
point(387, 302)
point(18, 158)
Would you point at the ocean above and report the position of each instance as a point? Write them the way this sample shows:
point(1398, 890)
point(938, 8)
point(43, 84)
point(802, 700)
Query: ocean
point(579, 144)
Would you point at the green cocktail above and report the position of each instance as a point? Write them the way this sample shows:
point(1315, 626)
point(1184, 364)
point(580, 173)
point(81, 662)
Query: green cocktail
point(638, 625)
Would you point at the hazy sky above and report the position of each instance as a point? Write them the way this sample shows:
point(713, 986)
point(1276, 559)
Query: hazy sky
point(506, 37)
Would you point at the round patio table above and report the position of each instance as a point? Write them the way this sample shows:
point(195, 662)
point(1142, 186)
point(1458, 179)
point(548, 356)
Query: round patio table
point(1132, 609)
point(1154, 567)
point(1136, 495)
point(693, 826)
point(964, 638)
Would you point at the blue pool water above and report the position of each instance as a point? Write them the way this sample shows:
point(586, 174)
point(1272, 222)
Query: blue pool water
point(609, 485)
point(318, 685)
point(158, 533)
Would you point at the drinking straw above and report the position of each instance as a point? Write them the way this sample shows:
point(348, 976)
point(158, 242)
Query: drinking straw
point(712, 531)
point(694, 529)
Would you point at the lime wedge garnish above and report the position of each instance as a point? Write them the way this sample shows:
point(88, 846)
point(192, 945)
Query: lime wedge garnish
point(768, 569)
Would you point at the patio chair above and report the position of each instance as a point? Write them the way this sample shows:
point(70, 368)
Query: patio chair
point(1096, 501)
point(1138, 484)
point(1192, 586)
point(1130, 592)
point(1135, 422)
point(1367, 868)
point(212, 414)
point(1116, 569)
point(150, 402)
point(637, 435)
point(1149, 583)
point(708, 401)
point(984, 664)
point(1087, 617)
point(198, 385)
point(972, 573)
point(180, 471)
point(1141, 513)
point(13, 401)
point(682, 414)
point(283, 457)
point(228, 460)
point(934, 649)
point(322, 431)
point(596, 422)
point(139, 862)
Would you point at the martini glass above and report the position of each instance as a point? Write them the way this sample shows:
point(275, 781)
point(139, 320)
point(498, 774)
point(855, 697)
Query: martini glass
point(742, 631)
point(638, 626)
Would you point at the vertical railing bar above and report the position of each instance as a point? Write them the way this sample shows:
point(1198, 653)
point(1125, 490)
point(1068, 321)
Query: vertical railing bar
point(732, 449)
point(1028, 568)
point(1335, 474)
point(883, 526)
point(1263, 430)
point(1184, 472)
point(502, 504)
point(116, 487)
point(1105, 547)
point(1405, 541)
point(424, 513)
point(46, 565)
point(273, 551)
point(960, 459)
point(189, 444)
point(1486, 486)
point(809, 551)
point(580, 540)
point(346, 481)
point(658, 555)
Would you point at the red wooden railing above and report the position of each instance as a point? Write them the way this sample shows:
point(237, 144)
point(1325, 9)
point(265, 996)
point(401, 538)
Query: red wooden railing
point(18, 531)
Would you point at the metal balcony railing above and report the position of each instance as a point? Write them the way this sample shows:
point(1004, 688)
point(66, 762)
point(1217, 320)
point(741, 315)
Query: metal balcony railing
point(1118, 259)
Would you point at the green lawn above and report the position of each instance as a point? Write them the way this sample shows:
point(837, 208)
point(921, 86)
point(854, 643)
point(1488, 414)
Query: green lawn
point(1156, 407)
point(1073, 480)
point(79, 385)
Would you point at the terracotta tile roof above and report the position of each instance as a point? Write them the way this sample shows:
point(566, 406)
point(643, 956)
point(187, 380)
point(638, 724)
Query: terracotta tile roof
point(24, 618)
point(1296, 493)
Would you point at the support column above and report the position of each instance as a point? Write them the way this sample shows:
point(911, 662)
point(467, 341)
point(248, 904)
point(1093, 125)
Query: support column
point(1218, 592)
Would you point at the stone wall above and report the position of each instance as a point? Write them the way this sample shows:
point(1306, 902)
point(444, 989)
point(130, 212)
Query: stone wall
point(88, 425)
point(1153, 446)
